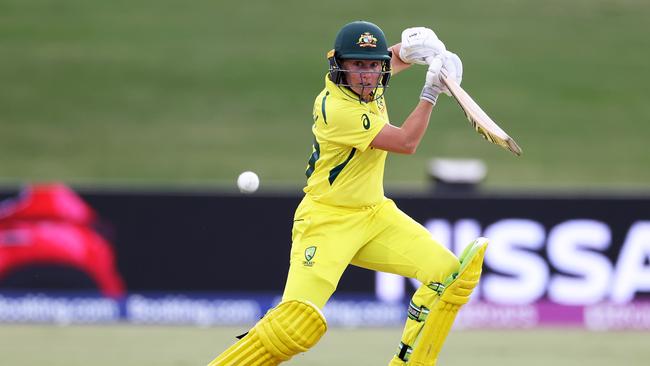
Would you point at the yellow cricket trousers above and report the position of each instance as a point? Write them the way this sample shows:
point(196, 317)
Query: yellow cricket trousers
point(326, 239)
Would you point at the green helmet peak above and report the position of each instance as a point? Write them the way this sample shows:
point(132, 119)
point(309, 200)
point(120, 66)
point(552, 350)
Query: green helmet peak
point(361, 40)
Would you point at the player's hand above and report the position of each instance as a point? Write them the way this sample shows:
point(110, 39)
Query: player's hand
point(452, 67)
point(433, 85)
point(418, 44)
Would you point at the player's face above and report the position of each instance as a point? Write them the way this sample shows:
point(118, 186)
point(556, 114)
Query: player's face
point(363, 76)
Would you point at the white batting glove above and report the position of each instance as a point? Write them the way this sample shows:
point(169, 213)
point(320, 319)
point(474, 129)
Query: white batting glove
point(433, 86)
point(419, 43)
point(452, 66)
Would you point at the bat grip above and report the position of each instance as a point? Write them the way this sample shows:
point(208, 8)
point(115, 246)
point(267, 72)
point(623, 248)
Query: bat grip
point(443, 72)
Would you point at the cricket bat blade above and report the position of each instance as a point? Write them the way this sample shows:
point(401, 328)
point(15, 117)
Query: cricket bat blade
point(481, 122)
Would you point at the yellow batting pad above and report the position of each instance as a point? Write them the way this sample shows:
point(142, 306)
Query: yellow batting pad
point(290, 328)
point(441, 317)
point(460, 288)
point(433, 335)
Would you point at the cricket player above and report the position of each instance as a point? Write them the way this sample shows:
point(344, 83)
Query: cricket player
point(344, 217)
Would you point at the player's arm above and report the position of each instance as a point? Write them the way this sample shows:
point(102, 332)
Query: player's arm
point(396, 63)
point(406, 139)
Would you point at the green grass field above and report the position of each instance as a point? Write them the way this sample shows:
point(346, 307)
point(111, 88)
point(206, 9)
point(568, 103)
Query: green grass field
point(179, 346)
point(166, 92)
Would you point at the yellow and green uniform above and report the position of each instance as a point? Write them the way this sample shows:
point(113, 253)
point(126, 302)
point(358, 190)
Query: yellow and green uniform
point(344, 217)
point(343, 169)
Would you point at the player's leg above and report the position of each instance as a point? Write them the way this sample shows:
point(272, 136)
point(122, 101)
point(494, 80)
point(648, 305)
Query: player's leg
point(455, 293)
point(323, 245)
point(404, 247)
point(290, 328)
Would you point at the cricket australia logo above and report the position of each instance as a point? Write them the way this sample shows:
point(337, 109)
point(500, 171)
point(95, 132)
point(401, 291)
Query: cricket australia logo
point(309, 255)
point(367, 40)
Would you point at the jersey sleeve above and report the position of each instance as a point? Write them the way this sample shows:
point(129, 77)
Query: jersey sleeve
point(352, 125)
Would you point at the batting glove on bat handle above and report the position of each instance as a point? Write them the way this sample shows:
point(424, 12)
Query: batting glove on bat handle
point(433, 85)
point(452, 68)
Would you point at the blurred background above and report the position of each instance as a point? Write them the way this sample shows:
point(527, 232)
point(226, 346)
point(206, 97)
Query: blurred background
point(124, 125)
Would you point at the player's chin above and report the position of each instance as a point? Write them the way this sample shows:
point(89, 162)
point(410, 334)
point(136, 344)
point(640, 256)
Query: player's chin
point(365, 90)
point(359, 90)
point(368, 92)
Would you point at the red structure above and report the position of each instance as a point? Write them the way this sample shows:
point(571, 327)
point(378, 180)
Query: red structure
point(51, 224)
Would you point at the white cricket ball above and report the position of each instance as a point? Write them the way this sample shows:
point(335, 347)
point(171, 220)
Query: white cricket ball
point(248, 182)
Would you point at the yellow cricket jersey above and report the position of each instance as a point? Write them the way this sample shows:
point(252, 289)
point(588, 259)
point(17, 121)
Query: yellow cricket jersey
point(343, 169)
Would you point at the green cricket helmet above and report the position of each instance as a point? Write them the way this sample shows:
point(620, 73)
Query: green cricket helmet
point(359, 40)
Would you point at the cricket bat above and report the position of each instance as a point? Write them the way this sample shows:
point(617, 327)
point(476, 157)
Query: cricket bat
point(481, 122)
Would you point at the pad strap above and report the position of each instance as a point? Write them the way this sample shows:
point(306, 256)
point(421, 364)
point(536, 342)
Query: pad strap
point(417, 313)
point(404, 352)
